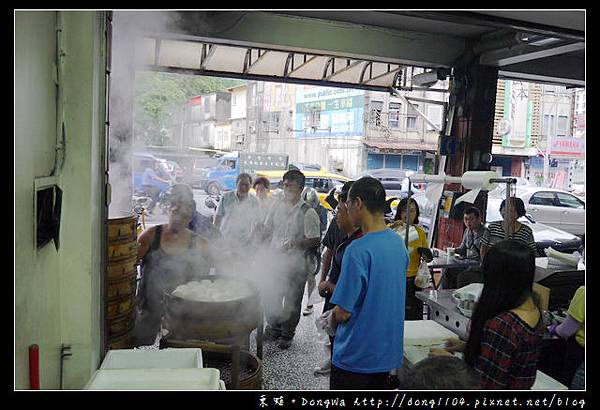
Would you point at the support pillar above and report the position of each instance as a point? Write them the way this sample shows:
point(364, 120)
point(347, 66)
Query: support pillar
point(473, 126)
point(121, 137)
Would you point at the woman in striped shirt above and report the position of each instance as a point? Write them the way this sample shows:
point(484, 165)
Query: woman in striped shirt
point(519, 232)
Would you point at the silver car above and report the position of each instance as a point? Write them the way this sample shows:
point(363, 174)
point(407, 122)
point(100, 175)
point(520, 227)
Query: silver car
point(544, 235)
point(554, 207)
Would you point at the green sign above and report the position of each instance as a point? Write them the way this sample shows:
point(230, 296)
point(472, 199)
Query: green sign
point(346, 103)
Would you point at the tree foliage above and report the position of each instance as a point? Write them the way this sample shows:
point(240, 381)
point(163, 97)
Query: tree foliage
point(160, 98)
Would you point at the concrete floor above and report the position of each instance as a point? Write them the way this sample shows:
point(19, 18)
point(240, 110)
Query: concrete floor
point(292, 369)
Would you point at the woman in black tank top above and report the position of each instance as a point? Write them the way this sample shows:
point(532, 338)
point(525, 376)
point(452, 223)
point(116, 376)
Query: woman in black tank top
point(170, 255)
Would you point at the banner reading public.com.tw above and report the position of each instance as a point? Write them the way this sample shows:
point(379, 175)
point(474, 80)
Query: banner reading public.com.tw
point(329, 112)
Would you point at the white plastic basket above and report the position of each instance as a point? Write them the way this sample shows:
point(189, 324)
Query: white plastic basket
point(171, 358)
point(469, 293)
point(154, 379)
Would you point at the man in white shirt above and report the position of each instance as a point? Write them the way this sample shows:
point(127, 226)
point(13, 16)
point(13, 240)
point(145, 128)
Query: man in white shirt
point(295, 228)
point(238, 213)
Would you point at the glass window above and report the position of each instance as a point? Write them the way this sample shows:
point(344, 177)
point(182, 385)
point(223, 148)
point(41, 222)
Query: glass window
point(319, 184)
point(569, 201)
point(374, 161)
point(434, 113)
point(412, 109)
point(562, 125)
point(315, 119)
point(545, 124)
point(543, 198)
point(411, 123)
point(411, 119)
point(393, 161)
point(394, 115)
point(410, 162)
point(391, 185)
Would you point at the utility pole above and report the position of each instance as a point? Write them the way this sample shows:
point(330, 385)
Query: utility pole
point(547, 159)
point(551, 128)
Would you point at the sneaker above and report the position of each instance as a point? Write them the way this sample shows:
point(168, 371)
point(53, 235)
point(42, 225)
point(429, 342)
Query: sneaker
point(308, 310)
point(284, 343)
point(324, 369)
point(271, 334)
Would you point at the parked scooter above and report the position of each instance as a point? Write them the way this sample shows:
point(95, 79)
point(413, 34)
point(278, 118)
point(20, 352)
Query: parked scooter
point(141, 199)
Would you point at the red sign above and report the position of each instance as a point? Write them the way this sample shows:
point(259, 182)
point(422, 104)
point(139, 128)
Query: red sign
point(195, 100)
point(567, 146)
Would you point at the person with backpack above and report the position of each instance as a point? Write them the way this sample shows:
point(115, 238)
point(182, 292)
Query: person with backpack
point(294, 228)
point(311, 197)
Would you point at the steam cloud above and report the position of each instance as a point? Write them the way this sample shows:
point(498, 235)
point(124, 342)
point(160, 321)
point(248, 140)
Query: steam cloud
point(257, 262)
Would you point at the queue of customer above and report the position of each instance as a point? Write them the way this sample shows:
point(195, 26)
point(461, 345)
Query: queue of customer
point(368, 281)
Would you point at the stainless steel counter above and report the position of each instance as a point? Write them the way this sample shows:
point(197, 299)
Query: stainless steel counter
point(443, 310)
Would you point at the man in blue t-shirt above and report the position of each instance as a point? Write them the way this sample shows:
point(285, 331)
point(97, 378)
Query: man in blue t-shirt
point(369, 296)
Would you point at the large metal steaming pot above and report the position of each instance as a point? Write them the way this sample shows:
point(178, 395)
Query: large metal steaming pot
point(217, 321)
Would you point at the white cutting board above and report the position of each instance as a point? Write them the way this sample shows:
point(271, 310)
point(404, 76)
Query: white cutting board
point(417, 331)
point(422, 335)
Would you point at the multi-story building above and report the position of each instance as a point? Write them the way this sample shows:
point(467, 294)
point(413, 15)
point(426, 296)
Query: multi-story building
point(397, 136)
point(533, 133)
point(328, 127)
point(238, 116)
point(577, 171)
point(516, 126)
point(203, 115)
point(345, 130)
point(270, 114)
point(578, 101)
point(223, 136)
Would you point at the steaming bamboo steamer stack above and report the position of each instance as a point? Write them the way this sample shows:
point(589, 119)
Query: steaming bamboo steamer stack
point(121, 280)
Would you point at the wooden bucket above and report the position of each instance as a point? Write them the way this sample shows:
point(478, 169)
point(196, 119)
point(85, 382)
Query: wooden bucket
point(122, 229)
